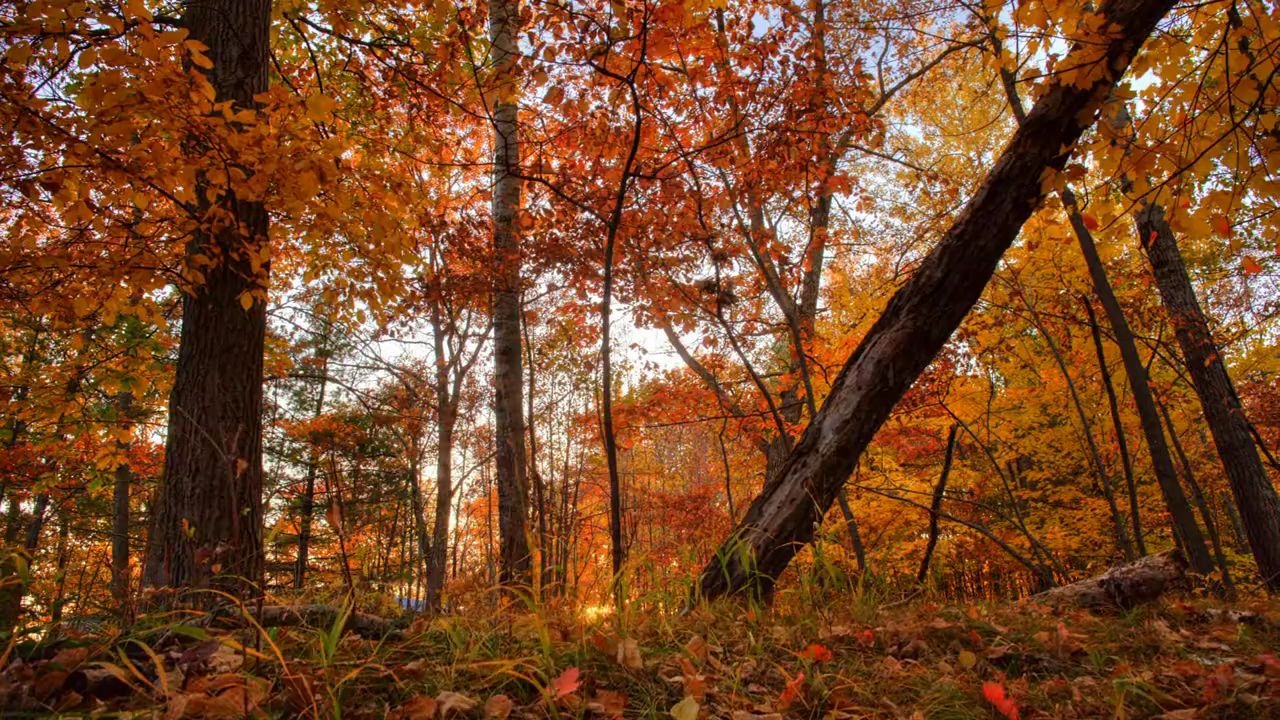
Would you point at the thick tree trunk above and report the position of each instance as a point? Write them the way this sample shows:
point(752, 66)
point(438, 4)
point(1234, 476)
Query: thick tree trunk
point(1255, 495)
point(513, 492)
point(207, 513)
point(922, 315)
point(1184, 522)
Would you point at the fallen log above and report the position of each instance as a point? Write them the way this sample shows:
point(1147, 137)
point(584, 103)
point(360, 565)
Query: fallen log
point(1123, 586)
point(315, 616)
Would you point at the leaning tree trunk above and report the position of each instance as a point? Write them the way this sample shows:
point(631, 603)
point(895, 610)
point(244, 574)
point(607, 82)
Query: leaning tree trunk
point(1255, 495)
point(207, 513)
point(922, 315)
point(1184, 522)
point(513, 493)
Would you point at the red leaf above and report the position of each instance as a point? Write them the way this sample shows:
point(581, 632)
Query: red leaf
point(567, 682)
point(816, 653)
point(791, 691)
point(994, 693)
point(1090, 221)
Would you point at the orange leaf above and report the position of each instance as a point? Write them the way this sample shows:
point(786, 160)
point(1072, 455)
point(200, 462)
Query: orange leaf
point(1221, 224)
point(816, 653)
point(1251, 266)
point(791, 691)
point(995, 694)
point(1089, 221)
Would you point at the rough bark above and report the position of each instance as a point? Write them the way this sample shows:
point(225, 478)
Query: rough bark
point(1184, 523)
point(207, 513)
point(513, 494)
point(922, 315)
point(1202, 505)
point(1123, 586)
point(1254, 493)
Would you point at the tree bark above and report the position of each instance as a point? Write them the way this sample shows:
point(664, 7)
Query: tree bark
point(1197, 495)
point(513, 493)
point(308, 508)
point(14, 586)
point(922, 315)
point(1117, 423)
point(207, 513)
point(1254, 493)
point(1123, 586)
point(1184, 522)
point(446, 418)
point(939, 492)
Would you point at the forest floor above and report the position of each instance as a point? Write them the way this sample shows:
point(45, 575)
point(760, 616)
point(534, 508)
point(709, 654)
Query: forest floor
point(833, 656)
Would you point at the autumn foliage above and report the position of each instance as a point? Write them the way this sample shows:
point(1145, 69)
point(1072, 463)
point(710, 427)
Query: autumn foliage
point(706, 210)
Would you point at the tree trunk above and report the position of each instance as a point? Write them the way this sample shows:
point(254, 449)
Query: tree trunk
point(1117, 423)
point(1184, 522)
point(14, 587)
point(308, 508)
point(1202, 505)
point(539, 485)
point(1255, 495)
point(446, 417)
point(207, 513)
point(513, 493)
point(922, 315)
point(938, 493)
point(1095, 457)
point(120, 516)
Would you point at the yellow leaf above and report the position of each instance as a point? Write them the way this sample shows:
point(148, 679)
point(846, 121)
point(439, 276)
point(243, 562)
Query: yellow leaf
point(200, 60)
point(1221, 225)
point(686, 709)
point(320, 107)
point(136, 10)
point(967, 659)
point(246, 300)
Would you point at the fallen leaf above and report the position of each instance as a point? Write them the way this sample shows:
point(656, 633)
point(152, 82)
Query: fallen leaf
point(995, 694)
point(791, 691)
point(686, 709)
point(816, 653)
point(498, 707)
point(567, 682)
point(452, 703)
point(422, 707)
point(609, 703)
point(629, 654)
point(966, 659)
